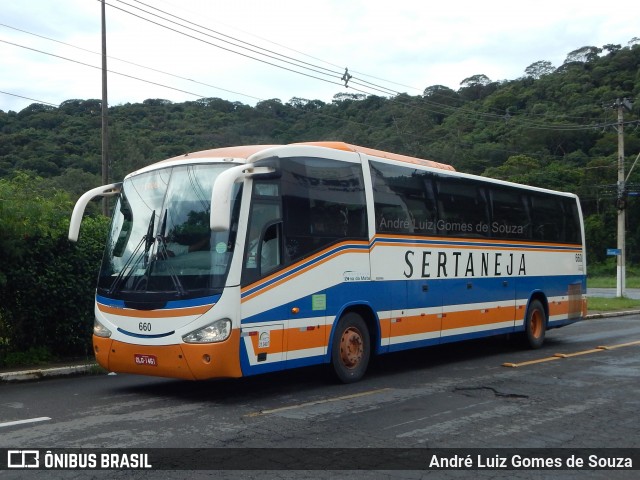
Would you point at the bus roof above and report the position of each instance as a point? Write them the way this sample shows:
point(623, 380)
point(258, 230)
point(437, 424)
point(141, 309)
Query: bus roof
point(246, 151)
point(380, 153)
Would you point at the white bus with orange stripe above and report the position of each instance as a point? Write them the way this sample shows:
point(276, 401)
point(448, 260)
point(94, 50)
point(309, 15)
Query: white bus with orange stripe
point(243, 260)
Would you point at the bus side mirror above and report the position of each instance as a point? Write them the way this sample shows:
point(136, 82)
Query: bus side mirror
point(78, 210)
point(220, 215)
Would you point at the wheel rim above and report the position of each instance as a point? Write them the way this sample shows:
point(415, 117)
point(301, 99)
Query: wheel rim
point(351, 347)
point(536, 324)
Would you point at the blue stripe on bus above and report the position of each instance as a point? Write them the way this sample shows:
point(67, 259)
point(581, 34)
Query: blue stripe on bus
point(391, 295)
point(258, 368)
point(193, 302)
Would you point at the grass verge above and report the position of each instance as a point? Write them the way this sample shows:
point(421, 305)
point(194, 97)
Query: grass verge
point(610, 282)
point(601, 304)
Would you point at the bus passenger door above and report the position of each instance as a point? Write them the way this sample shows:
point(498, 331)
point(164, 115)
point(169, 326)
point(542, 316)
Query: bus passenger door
point(263, 317)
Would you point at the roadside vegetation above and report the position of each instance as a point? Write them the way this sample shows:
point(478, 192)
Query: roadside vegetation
point(601, 304)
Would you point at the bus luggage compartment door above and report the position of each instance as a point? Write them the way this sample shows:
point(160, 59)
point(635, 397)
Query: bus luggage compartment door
point(262, 348)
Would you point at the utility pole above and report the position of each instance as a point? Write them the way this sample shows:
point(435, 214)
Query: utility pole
point(620, 105)
point(105, 107)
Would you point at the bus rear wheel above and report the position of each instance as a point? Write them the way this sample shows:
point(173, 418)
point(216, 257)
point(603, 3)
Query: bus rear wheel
point(351, 348)
point(535, 325)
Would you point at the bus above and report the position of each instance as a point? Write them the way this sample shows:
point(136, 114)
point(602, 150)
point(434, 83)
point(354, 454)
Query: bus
point(245, 260)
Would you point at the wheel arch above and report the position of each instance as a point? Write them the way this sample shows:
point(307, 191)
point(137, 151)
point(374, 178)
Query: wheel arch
point(370, 319)
point(542, 298)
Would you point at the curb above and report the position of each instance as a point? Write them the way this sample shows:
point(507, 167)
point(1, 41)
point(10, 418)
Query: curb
point(40, 373)
point(595, 316)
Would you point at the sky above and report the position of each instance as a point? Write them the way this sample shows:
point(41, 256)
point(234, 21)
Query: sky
point(50, 49)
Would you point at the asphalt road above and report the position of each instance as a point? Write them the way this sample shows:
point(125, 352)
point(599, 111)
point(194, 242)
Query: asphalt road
point(455, 396)
point(633, 293)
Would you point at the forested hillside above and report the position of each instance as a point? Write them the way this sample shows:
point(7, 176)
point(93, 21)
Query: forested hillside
point(553, 127)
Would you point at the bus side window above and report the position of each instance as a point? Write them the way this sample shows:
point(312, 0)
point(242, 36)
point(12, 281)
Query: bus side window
point(264, 228)
point(323, 203)
point(404, 200)
point(510, 216)
point(462, 207)
point(548, 218)
point(269, 252)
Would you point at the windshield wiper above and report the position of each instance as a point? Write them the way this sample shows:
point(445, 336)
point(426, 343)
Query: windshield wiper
point(162, 246)
point(147, 240)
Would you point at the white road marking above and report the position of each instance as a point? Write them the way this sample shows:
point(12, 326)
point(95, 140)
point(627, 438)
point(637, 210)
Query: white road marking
point(21, 422)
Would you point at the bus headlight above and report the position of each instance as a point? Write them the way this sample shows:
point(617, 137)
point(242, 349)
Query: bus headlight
point(217, 331)
point(99, 330)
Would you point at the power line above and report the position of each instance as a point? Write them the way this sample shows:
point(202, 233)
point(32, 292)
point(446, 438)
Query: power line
point(386, 91)
point(314, 57)
point(445, 109)
point(29, 98)
point(439, 108)
point(461, 110)
point(434, 106)
point(132, 63)
point(252, 48)
point(333, 72)
point(219, 46)
point(99, 68)
point(302, 62)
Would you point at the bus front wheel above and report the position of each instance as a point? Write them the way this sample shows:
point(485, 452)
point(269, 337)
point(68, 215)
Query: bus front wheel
point(351, 348)
point(535, 325)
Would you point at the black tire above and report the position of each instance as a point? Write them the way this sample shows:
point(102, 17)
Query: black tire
point(535, 325)
point(351, 348)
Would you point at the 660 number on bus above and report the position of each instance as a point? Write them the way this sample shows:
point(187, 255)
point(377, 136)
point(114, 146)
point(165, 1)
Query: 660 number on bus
point(144, 327)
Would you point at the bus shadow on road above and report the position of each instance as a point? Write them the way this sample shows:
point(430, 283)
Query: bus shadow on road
point(420, 364)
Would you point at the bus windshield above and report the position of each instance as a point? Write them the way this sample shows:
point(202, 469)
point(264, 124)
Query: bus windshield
point(160, 242)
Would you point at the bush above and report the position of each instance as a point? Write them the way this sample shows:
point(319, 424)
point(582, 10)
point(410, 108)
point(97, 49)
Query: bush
point(33, 356)
point(47, 284)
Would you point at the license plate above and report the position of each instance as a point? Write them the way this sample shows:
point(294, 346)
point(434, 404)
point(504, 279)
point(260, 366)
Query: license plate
point(141, 359)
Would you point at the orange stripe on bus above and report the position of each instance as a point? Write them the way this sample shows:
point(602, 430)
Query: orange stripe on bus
point(413, 324)
point(173, 312)
point(287, 277)
point(306, 338)
point(416, 324)
point(475, 318)
point(518, 244)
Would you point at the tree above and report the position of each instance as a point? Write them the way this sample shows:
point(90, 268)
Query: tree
point(612, 48)
point(475, 80)
point(519, 169)
point(583, 55)
point(438, 91)
point(476, 87)
point(539, 69)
